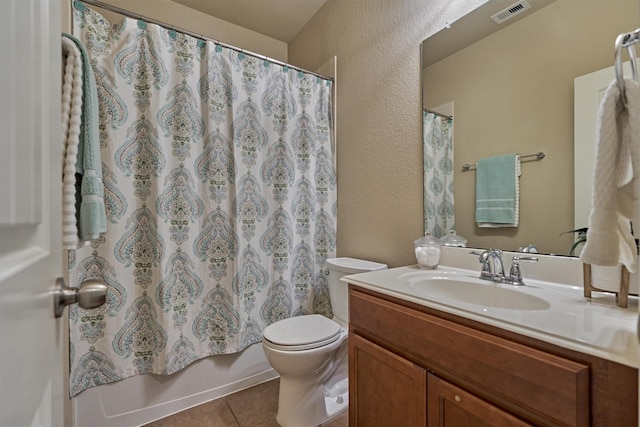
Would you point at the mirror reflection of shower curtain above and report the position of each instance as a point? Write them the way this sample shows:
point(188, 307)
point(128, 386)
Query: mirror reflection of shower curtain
point(439, 215)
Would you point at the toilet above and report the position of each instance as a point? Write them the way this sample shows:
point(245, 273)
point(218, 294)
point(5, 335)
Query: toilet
point(310, 354)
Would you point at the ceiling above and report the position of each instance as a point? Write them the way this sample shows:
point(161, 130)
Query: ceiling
point(279, 19)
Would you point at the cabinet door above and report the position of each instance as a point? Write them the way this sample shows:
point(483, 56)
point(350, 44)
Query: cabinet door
point(384, 389)
point(450, 406)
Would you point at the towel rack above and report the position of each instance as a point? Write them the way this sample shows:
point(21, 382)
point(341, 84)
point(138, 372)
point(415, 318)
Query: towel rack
point(538, 156)
point(626, 40)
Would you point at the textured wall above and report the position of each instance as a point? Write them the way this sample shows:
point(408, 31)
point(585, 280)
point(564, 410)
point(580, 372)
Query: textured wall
point(379, 127)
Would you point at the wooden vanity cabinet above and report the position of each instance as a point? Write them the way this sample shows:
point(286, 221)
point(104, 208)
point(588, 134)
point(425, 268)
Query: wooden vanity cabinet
point(410, 365)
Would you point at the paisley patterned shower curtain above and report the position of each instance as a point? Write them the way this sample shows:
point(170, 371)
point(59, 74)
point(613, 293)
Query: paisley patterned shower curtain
point(220, 189)
point(439, 217)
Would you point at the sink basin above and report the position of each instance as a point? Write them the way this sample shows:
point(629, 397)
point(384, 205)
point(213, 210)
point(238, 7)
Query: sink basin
point(489, 295)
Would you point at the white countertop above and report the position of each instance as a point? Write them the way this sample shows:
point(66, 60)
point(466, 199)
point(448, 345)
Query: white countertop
point(594, 326)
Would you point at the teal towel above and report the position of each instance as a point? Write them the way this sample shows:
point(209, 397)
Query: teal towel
point(92, 218)
point(497, 191)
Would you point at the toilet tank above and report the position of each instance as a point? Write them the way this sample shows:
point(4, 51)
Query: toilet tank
point(338, 290)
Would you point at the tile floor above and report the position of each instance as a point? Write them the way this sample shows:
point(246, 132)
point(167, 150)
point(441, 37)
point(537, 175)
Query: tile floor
point(253, 407)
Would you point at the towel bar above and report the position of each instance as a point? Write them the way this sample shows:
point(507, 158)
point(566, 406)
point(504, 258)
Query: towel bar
point(538, 156)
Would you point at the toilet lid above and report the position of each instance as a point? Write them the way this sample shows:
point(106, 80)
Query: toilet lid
point(302, 331)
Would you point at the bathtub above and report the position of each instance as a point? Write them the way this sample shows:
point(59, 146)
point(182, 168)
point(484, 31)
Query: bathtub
point(142, 399)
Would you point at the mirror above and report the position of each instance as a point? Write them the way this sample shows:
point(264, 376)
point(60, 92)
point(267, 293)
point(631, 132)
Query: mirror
point(509, 89)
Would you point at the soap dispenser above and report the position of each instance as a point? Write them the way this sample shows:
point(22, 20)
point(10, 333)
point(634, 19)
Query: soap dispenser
point(427, 249)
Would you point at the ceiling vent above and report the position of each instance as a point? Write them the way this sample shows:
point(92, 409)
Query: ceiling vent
point(511, 11)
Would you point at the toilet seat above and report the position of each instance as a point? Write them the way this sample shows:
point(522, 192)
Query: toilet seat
point(302, 333)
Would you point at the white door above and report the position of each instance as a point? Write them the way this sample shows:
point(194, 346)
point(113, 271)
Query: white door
point(31, 367)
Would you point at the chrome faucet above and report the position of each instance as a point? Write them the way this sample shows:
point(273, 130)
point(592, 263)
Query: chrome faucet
point(530, 249)
point(492, 267)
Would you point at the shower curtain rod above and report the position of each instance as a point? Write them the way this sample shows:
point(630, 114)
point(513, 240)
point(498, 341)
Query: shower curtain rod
point(444, 116)
point(130, 14)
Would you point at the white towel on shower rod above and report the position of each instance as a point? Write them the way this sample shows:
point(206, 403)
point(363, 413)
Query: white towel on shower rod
point(71, 117)
point(616, 183)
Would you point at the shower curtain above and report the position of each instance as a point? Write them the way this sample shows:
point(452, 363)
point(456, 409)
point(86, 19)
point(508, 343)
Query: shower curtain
point(439, 216)
point(220, 191)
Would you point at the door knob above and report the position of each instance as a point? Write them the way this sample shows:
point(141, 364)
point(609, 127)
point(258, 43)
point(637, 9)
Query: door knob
point(92, 293)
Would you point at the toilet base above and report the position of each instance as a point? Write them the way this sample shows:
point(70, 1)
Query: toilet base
point(303, 404)
point(336, 399)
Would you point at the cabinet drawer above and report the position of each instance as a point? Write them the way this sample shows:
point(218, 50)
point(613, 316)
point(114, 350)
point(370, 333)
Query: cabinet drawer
point(538, 384)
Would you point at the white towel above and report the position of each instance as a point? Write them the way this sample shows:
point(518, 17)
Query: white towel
point(71, 116)
point(615, 180)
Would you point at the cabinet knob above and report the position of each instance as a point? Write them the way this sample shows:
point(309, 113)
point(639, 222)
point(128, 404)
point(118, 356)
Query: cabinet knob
point(457, 398)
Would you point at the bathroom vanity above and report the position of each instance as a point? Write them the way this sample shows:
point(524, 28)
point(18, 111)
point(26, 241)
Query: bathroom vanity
point(420, 359)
